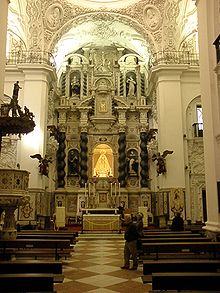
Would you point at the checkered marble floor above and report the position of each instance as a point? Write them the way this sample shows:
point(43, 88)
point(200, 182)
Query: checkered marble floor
point(95, 268)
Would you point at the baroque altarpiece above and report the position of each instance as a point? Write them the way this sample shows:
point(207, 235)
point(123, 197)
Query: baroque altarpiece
point(103, 116)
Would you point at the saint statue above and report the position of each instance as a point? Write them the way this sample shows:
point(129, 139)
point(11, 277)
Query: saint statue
point(131, 86)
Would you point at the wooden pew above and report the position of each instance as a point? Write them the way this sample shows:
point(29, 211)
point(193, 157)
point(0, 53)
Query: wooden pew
point(33, 266)
point(175, 265)
point(26, 283)
point(34, 248)
point(164, 231)
point(186, 281)
point(174, 239)
point(172, 235)
point(74, 233)
point(172, 265)
point(175, 249)
point(47, 236)
point(183, 291)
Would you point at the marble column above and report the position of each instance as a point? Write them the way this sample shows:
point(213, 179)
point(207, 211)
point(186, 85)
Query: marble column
point(3, 34)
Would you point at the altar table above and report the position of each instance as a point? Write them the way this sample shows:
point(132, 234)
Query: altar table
point(101, 222)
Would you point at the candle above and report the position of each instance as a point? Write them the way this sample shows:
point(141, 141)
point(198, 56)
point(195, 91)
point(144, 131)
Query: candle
point(93, 189)
point(111, 190)
point(115, 189)
point(89, 189)
point(119, 189)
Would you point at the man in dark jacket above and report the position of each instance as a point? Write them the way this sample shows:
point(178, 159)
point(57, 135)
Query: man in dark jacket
point(130, 247)
point(177, 223)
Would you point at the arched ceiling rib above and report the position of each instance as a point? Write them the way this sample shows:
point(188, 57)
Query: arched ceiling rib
point(101, 33)
point(103, 27)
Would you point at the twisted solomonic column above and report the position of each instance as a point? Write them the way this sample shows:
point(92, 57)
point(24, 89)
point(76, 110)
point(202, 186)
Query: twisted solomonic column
point(144, 172)
point(83, 159)
point(122, 170)
point(61, 155)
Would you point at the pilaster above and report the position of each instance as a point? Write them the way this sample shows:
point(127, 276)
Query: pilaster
point(3, 35)
point(208, 28)
point(35, 88)
point(170, 123)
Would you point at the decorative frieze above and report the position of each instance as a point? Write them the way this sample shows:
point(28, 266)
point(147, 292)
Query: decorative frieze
point(34, 13)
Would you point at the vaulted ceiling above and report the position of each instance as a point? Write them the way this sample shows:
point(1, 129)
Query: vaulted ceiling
point(104, 23)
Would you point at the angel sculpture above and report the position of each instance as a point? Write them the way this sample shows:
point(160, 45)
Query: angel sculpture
point(161, 163)
point(43, 163)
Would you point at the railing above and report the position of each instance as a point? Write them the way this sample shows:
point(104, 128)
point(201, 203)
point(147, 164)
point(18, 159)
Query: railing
point(174, 57)
point(217, 48)
point(198, 129)
point(31, 57)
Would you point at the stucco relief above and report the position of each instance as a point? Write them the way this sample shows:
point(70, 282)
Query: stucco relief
point(171, 11)
point(54, 16)
point(197, 185)
point(8, 153)
point(35, 25)
point(51, 105)
point(197, 178)
point(133, 145)
point(52, 146)
point(52, 38)
point(196, 157)
point(189, 44)
point(152, 17)
point(27, 210)
point(153, 100)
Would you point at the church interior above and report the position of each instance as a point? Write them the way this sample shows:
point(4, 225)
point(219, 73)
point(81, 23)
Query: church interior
point(107, 104)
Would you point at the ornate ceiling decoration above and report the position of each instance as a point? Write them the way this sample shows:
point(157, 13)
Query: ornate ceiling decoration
point(104, 3)
point(143, 26)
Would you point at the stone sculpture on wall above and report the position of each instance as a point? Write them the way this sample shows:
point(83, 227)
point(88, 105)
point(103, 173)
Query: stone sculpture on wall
point(43, 163)
point(73, 162)
point(54, 15)
point(131, 85)
point(152, 17)
point(75, 85)
point(132, 162)
point(161, 163)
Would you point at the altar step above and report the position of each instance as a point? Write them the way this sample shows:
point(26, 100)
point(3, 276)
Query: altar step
point(95, 236)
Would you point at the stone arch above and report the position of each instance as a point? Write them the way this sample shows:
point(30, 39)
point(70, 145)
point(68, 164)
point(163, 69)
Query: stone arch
point(147, 36)
point(191, 115)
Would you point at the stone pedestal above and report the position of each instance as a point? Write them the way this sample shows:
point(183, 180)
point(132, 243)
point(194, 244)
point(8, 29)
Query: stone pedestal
point(13, 189)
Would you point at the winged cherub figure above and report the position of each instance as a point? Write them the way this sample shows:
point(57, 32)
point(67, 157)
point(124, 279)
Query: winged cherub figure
point(43, 163)
point(161, 162)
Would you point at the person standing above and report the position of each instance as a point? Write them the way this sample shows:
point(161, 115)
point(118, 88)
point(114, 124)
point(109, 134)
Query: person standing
point(130, 246)
point(177, 223)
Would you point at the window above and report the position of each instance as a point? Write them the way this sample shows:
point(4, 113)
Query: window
point(198, 126)
point(199, 116)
